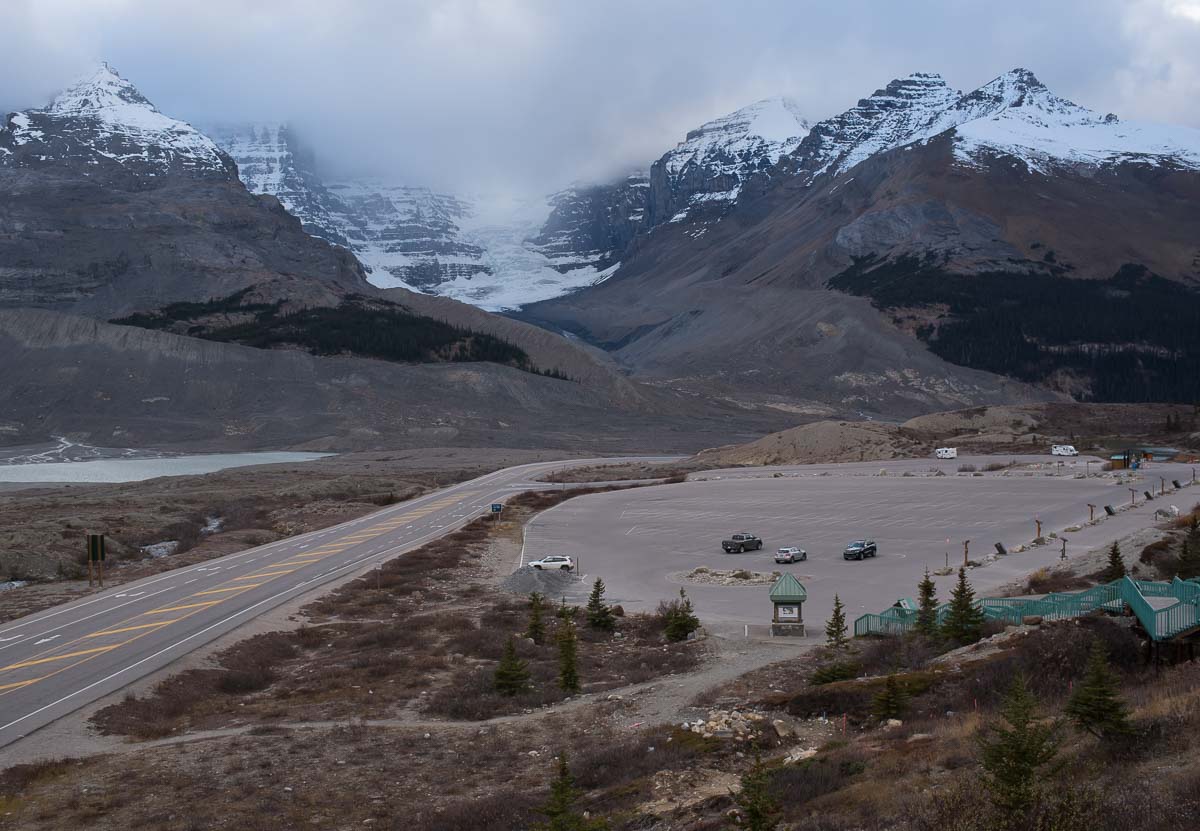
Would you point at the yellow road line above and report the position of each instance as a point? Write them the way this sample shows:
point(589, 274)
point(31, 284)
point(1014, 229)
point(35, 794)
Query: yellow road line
point(223, 591)
point(61, 657)
point(19, 683)
point(301, 562)
point(133, 628)
point(180, 608)
point(269, 574)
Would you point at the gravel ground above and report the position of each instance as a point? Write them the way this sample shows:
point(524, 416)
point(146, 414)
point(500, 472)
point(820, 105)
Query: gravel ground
point(553, 584)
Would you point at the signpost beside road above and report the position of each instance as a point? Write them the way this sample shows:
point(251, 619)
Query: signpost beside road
point(497, 507)
point(96, 554)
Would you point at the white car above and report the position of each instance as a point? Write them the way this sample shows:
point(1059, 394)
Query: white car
point(554, 561)
point(946, 453)
point(791, 554)
point(1063, 450)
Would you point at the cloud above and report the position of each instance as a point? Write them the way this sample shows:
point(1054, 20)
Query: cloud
point(531, 94)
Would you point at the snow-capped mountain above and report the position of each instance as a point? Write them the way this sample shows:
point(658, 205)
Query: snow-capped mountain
point(706, 171)
point(101, 125)
point(1014, 116)
point(487, 251)
point(271, 160)
point(901, 112)
point(1006, 230)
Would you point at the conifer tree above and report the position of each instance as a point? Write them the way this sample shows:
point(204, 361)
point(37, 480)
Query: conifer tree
point(680, 618)
point(564, 611)
point(926, 623)
point(512, 674)
point(599, 615)
point(891, 701)
point(1014, 754)
point(963, 623)
point(568, 659)
point(559, 809)
point(758, 809)
point(537, 624)
point(1115, 569)
point(1189, 559)
point(835, 628)
point(1095, 705)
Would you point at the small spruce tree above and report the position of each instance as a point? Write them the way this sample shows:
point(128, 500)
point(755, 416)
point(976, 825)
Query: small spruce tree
point(1014, 754)
point(559, 808)
point(512, 674)
point(926, 623)
point(836, 632)
point(1095, 705)
point(1115, 569)
point(565, 612)
point(599, 614)
point(758, 808)
point(679, 618)
point(568, 658)
point(963, 623)
point(891, 701)
point(1189, 559)
point(537, 623)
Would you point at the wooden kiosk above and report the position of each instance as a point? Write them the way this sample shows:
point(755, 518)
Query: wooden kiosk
point(788, 596)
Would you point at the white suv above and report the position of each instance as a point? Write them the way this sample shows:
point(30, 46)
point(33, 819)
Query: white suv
point(554, 561)
point(791, 554)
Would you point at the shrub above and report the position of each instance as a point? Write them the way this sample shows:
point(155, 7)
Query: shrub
point(677, 618)
point(835, 671)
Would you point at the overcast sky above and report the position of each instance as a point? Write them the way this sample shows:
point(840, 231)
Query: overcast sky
point(525, 94)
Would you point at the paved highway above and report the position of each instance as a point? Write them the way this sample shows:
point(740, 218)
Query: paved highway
point(56, 661)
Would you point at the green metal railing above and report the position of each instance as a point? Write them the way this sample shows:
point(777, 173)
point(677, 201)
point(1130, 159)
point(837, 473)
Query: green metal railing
point(1160, 623)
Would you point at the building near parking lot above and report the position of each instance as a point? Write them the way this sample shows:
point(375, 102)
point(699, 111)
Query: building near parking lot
point(788, 596)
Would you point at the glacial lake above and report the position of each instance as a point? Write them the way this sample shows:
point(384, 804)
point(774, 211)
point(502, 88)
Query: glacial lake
point(135, 470)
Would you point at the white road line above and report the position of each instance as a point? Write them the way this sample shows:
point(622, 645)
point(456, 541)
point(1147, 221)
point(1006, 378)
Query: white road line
point(82, 619)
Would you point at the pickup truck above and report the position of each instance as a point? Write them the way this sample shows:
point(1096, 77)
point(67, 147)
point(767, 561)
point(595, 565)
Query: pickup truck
point(741, 542)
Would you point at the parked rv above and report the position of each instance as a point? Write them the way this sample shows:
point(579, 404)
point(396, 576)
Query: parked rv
point(946, 452)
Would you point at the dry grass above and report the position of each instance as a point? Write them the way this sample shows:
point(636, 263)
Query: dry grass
point(396, 639)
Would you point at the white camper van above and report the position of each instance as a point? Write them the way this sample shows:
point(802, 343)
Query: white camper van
point(946, 453)
point(1063, 450)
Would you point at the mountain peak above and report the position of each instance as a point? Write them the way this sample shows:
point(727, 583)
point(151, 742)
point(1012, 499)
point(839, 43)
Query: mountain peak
point(102, 125)
point(97, 91)
point(708, 168)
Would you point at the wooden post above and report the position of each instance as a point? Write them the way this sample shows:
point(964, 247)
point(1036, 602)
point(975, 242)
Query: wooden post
point(1038, 535)
point(1133, 496)
point(966, 546)
point(1091, 512)
point(1162, 486)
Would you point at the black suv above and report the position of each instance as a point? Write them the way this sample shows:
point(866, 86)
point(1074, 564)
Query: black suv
point(859, 550)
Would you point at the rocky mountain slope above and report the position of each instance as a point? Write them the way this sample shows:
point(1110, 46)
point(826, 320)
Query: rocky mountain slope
point(102, 383)
point(978, 223)
point(112, 210)
point(111, 206)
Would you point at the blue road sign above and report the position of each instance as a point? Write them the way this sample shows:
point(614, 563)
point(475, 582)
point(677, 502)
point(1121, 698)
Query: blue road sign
point(497, 507)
